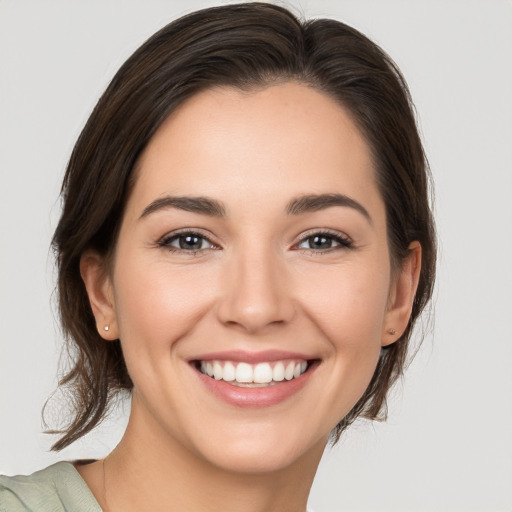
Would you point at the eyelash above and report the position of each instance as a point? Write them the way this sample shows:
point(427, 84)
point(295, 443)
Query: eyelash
point(344, 242)
point(167, 240)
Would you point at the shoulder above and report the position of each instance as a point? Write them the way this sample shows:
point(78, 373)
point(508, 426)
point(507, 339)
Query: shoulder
point(58, 488)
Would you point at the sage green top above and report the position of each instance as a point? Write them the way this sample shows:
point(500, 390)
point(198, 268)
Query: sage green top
point(58, 488)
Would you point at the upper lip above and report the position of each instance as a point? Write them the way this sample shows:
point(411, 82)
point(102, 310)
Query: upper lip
point(252, 357)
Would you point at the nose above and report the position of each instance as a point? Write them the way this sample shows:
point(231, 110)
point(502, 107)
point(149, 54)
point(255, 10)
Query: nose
point(255, 294)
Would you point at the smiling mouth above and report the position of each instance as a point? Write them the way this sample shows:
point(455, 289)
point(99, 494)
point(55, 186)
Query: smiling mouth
point(262, 374)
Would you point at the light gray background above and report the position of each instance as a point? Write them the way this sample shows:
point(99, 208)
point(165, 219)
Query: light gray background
point(448, 443)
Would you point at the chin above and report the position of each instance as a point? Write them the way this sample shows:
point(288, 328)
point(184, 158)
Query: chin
point(266, 454)
point(265, 444)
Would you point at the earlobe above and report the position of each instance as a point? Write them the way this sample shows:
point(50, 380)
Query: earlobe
point(401, 296)
point(99, 290)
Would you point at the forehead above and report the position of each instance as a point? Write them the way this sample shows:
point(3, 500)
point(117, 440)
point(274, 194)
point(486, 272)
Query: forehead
point(273, 143)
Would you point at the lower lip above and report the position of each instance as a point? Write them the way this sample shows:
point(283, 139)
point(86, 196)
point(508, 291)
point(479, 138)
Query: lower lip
point(256, 397)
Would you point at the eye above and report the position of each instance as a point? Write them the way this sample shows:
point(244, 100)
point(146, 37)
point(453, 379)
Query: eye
point(324, 241)
point(187, 241)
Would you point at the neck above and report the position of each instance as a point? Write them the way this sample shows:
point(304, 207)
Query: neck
point(149, 470)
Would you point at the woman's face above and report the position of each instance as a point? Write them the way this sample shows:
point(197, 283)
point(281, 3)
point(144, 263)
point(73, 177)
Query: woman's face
point(253, 246)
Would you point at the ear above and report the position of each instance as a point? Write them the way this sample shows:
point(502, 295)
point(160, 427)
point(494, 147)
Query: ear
point(101, 297)
point(401, 295)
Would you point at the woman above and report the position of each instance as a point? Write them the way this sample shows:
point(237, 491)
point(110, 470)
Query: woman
point(245, 245)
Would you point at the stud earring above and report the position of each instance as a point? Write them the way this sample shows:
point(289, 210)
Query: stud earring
point(106, 328)
point(392, 331)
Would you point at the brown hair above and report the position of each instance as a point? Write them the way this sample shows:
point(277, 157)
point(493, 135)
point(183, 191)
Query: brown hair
point(245, 46)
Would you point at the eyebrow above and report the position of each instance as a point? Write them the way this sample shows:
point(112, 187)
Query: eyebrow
point(214, 208)
point(202, 205)
point(316, 202)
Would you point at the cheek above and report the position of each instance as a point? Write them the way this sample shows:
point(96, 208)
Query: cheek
point(348, 304)
point(156, 305)
point(349, 310)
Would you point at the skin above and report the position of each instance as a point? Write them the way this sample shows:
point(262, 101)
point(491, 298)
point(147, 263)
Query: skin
point(259, 285)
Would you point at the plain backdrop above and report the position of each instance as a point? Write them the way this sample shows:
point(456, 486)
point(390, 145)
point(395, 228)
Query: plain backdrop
point(447, 445)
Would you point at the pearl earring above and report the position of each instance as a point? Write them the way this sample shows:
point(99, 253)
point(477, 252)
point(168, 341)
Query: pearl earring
point(106, 328)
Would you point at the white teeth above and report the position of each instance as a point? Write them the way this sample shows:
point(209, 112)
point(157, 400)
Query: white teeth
point(229, 372)
point(244, 373)
point(262, 373)
point(258, 375)
point(278, 372)
point(217, 370)
point(288, 373)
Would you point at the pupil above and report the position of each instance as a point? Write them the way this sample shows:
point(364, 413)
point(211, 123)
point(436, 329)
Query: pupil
point(321, 242)
point(190, 242)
